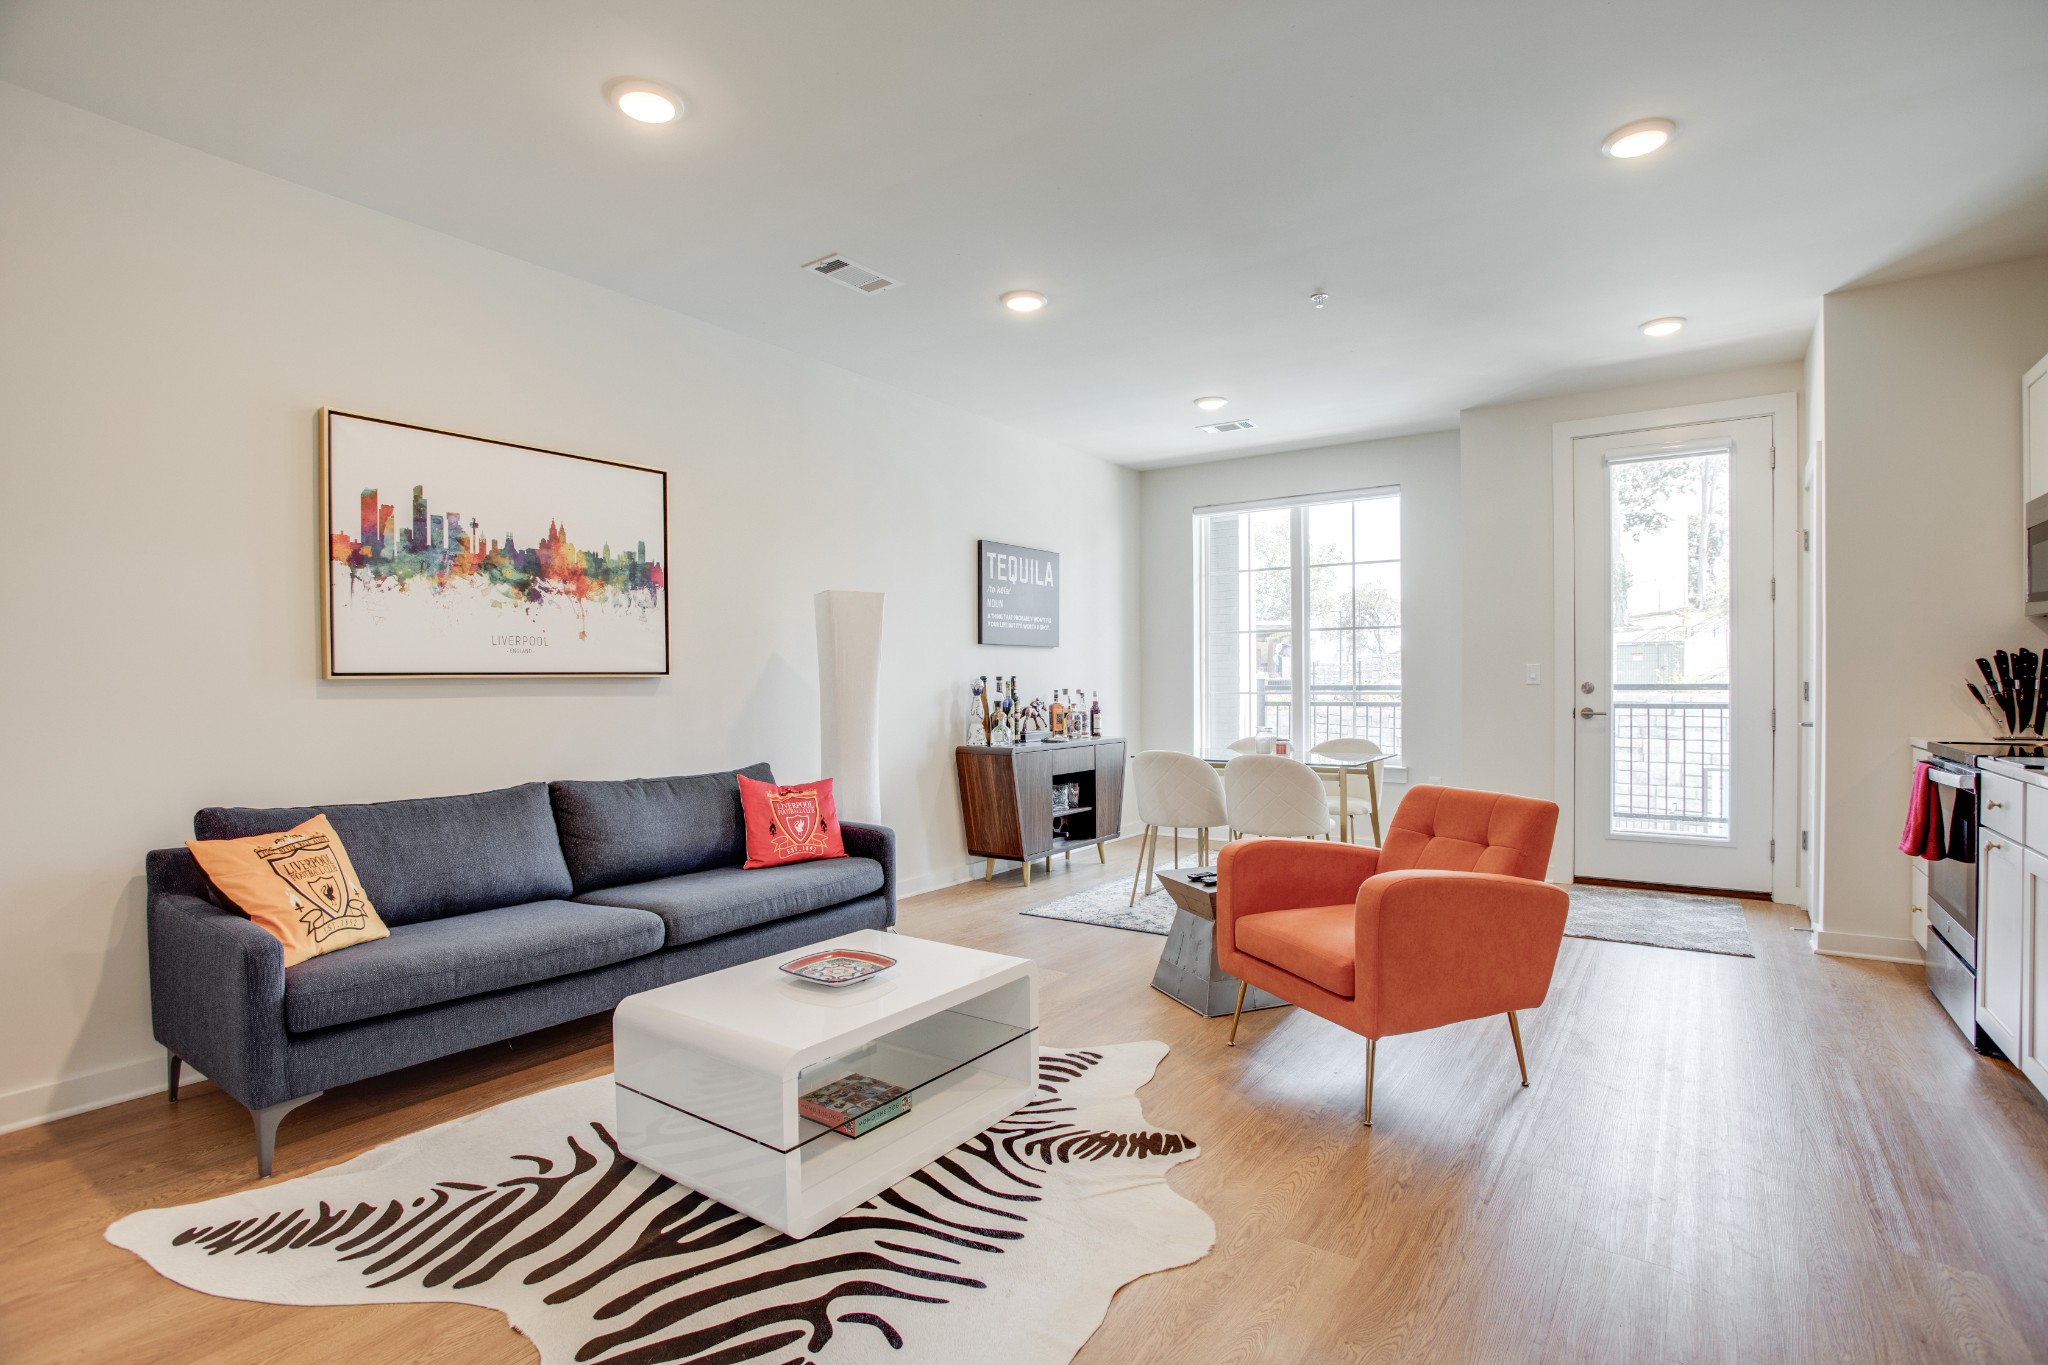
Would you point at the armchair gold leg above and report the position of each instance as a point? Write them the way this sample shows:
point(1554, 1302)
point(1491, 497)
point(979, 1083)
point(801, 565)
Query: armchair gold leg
point(1372, 1049)
point(1515, 1027)
point(1027, 872)
point(1176, 845)
point(1144, 838)
point(1238, 1014)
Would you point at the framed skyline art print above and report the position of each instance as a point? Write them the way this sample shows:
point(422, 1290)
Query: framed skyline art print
point(455, 556)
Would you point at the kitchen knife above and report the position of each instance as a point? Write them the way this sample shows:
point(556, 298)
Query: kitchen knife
point(2029, 670)
point(1981, 702)
point(2004, 662)
point(2040, 719)
point(1998, 697)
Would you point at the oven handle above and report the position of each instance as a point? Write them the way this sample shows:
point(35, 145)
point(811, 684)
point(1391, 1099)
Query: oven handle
point(1942, 777)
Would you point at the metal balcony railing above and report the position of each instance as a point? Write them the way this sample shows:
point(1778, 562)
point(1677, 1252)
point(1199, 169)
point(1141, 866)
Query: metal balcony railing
point(1671, 755)
point(1334, 710)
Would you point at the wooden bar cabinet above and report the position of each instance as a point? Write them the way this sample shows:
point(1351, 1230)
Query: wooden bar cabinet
point(1006, 799)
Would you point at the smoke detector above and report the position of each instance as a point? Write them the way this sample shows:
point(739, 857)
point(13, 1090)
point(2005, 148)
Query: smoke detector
point(1219, 428)
point(858, 278)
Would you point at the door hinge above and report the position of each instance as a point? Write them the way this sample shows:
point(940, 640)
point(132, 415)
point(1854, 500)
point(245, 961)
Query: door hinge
point(1774, 457)
point(1805, 540)
point(1806, 691)
point(1774, 720)
point(1774, 850)
point(1803, 844)
point(1774, 587)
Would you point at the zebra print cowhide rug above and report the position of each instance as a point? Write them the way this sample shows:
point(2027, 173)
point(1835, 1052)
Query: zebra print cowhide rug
point(1006, 1251)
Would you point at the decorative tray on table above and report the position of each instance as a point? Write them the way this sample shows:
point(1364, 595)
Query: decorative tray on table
point(837, 966)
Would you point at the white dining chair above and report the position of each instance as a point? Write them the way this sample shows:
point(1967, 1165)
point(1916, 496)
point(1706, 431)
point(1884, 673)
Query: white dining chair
point(1269, 794)
point(1347, 747)
point(1173, 791)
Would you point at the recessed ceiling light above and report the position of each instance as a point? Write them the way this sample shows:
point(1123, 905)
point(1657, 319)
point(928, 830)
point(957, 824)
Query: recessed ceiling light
point(1639, 138)
point(1023, 300)
point(1212, 403)
point(1662, 327)
point(645, 101)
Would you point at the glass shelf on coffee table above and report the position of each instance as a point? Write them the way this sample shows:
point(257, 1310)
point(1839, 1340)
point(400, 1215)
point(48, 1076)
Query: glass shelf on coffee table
point(708, 1072)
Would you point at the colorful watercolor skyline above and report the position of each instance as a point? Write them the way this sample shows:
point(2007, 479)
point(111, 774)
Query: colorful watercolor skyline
point(438, 550)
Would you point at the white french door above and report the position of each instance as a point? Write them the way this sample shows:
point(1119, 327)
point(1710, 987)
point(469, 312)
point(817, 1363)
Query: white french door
point(1673, 638)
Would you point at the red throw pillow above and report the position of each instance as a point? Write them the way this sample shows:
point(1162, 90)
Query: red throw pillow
point(790, 824)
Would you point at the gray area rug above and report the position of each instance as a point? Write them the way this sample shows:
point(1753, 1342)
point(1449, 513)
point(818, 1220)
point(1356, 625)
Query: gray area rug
point(1108, 905)
point(1653, 919)
point(1659, 919)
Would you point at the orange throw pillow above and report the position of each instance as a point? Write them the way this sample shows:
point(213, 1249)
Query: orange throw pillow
point(299, 885)
point(790, 824)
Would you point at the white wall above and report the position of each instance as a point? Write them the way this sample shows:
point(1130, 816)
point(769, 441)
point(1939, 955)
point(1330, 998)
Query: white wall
point(171, 324)
point(1509, 612)
point(1923, 550)
point(1426, 470)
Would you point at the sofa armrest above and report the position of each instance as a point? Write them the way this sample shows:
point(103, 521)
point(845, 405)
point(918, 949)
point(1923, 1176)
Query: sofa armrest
point(216, 995)
point(1438, 947)
point(877, 842)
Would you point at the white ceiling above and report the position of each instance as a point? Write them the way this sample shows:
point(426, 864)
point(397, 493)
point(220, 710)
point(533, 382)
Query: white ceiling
point(1177, 177)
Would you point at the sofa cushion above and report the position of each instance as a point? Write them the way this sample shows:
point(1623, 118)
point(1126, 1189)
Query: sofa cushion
point(1319, 945)
point(719, 900)
point(613, 833)
point(422, 859)
point(438, 960)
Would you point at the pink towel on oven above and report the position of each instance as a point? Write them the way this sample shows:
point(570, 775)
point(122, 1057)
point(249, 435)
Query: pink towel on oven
point(1922, 838)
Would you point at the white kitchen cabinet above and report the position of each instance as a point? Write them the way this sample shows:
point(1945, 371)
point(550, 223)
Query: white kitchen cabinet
point(2033, 1040)
point(2001, 961)
point(2034, 429)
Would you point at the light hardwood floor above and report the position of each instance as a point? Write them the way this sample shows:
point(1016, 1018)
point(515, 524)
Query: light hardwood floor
point(1788, 1158)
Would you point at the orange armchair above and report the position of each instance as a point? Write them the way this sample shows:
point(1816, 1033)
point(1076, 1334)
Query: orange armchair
point(1449, 920)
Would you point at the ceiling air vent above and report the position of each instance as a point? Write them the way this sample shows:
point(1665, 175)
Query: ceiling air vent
point(858, 278)
point(1218, 428)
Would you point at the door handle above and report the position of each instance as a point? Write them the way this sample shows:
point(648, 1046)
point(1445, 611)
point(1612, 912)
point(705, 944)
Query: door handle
point(1587, 713)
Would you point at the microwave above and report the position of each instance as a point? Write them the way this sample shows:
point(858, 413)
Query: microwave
point(2037, 556)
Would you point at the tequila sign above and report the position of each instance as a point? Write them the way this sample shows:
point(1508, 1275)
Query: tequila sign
point(1020, 595)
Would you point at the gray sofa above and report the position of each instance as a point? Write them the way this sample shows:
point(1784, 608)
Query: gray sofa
point(509, 911)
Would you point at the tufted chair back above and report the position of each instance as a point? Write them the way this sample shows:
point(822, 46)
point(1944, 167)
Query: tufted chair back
point(1447, 829)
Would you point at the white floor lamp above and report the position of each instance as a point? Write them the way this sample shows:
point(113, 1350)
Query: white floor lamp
point(849, 700)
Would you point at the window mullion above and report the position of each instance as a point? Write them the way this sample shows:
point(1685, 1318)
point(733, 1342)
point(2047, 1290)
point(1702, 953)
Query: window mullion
point(1298, 725)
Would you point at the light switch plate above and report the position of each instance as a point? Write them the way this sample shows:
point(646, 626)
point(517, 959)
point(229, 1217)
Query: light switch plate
point(1533, 675)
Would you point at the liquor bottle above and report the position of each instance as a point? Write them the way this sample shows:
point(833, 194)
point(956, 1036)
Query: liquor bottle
point(1059, 715)
point(1095, 716)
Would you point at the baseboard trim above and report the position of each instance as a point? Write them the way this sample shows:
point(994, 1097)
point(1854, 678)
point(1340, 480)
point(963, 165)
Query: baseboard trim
point(1873, 947)
point(38, 1104)
point(969, 871)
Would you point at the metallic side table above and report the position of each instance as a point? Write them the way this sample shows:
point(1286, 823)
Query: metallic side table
point(1187, 968)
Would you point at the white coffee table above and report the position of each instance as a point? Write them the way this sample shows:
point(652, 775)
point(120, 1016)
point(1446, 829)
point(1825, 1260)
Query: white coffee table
point(707, 1072)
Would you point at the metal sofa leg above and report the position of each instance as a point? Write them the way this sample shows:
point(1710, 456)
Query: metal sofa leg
point(174, 1068)
point(267, 1120)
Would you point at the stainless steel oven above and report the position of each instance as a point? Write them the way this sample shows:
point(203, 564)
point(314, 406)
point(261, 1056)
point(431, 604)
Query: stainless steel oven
point(1952, 893)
